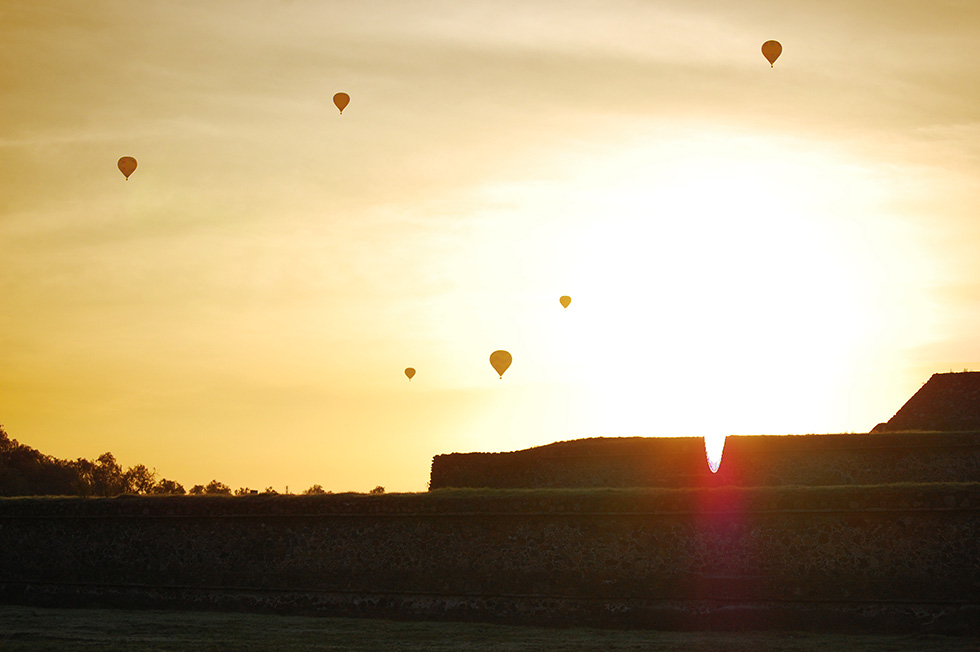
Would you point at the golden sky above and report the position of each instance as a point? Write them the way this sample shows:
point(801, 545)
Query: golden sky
point(749, 250)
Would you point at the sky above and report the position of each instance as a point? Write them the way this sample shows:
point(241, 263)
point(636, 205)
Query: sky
point(748, 249)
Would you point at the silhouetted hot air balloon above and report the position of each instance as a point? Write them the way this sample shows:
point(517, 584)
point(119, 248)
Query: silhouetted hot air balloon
point(409, 372)
point(771, 51)
point(341, 100)
point(564, 301)
point(500, 361)
point(127, 165)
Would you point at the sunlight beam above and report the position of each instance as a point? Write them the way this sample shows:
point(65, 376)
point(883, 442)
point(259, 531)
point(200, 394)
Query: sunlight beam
point(714, 445)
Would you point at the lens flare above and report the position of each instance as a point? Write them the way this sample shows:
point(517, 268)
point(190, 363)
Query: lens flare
point(713, 447)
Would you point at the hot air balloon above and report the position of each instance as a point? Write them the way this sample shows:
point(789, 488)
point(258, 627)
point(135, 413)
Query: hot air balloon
point(127, 165)
point(341, 100)
point(771, 51)
point(564, 301)
point(409, 372)
point(500, 361)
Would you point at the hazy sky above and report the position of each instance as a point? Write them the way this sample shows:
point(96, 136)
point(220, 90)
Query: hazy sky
point(749, 250)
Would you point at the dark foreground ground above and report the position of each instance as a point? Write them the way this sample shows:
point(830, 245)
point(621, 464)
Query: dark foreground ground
point(105, 630)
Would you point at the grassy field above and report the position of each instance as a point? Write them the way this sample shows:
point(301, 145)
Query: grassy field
point(105, 630)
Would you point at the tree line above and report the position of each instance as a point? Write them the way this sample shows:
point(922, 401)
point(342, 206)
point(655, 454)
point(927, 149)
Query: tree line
point(26, 471)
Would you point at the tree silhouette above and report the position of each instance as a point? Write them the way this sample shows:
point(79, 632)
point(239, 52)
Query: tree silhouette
point(139, 479)
point(215, 487)
point(25, 471)
point(167, 487)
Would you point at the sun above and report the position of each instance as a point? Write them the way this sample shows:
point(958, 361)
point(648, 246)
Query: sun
point(712, 290)
point(714, 447)
point(721, 284)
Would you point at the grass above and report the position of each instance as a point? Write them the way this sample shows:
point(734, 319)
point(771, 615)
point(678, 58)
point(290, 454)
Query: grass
point(531, 493)
point(576, 492)
point(106, 630)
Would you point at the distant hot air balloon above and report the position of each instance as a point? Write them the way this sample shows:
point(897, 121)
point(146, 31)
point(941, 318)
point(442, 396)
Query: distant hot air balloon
point(341, 100)
point(564, 301)
point(127, 165)
point(500, 361)
point(771, 51)
point(409, 372)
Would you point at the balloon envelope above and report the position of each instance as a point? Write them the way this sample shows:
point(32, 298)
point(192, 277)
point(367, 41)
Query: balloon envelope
point(500, 361)
point(409, 372)
point(565, 301)
point(341, 100)
point(127, 165)
point(771, 51)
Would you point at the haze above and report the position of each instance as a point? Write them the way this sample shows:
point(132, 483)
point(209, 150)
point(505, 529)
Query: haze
point(749, 250)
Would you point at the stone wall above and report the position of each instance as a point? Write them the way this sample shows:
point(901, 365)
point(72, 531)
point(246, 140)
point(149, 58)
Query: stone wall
point(811, 460)
point(892, 558)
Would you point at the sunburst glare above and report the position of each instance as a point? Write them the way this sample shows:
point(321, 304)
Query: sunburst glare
point(714, 446)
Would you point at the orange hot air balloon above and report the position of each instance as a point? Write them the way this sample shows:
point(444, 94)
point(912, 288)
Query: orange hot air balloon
point(409, 372)
point(500, 361)
point(564, 301)
point(127, 165)
point(341, 100)
point(771, 51)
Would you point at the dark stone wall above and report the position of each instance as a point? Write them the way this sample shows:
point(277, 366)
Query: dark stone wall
point(811, 460)
point(885, 558)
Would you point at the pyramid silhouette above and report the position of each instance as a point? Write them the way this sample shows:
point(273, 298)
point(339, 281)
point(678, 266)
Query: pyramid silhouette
point(947, 402)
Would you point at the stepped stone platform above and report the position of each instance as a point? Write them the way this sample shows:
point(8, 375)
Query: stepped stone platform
point(747, 461)
point(887, 558)
point(947, 402)
point(876, 532)
point(934, 437)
